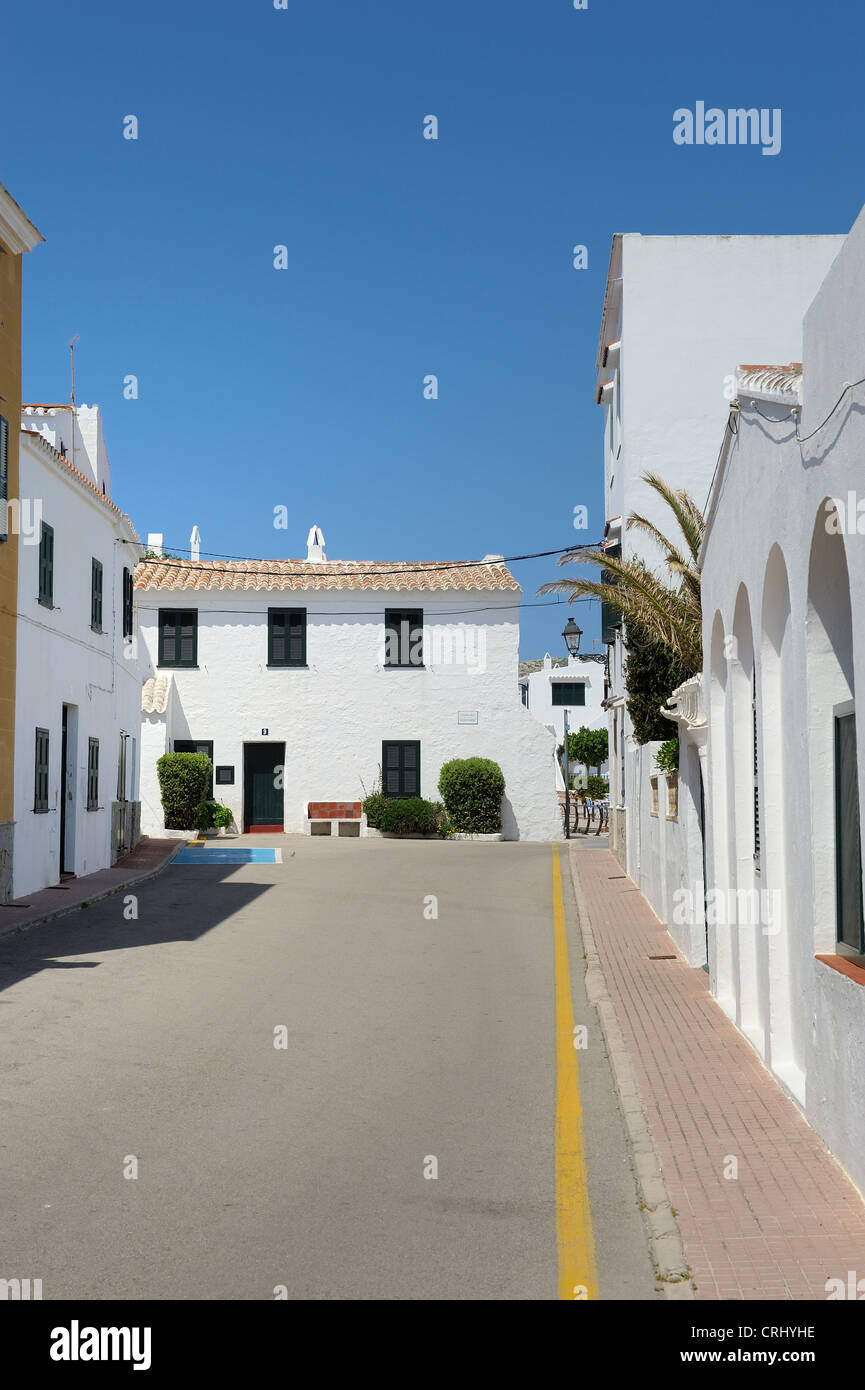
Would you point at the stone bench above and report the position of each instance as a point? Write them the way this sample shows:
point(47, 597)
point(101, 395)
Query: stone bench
point(321, 816)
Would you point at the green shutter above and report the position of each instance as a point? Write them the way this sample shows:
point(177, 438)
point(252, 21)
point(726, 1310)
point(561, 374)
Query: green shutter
point(96, 595)
point(127, 602)
point(178, 637)
point(46, 566)
point(568, 693)
point(404, 647)
point(4, 478)
point(286, 636)
point(400, 768)
point(93, 774)
point(40, 787)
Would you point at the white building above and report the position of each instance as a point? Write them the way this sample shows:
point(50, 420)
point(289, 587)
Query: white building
point(677, 312)
point(554, 686)
point(77, 682)
point(333, 670)
point(784, 644)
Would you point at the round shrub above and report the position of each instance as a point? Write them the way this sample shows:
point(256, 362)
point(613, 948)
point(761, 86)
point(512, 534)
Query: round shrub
point(410, 816)
point(212, 815)
point(472, 791)
point(183, 781)
point(372, 807)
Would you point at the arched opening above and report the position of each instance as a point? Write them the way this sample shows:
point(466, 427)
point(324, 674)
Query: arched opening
point(836, 850)
point(744, 909)
point(719, 869)
point(786, 1050)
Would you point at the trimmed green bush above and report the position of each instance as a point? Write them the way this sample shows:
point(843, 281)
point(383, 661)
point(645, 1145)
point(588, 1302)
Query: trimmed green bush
point(183, 782)
point(214, 816)
point(411, 816)
point(472, 791)
point(372, 807)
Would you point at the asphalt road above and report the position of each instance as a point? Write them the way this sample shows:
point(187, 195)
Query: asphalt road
point(148, 1045)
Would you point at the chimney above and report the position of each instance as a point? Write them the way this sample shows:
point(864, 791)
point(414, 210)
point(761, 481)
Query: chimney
point(154, 542)
point(315, 546)
point(195, 544)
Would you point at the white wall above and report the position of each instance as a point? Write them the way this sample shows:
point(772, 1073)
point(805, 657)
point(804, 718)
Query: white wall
point(334, 715)
point(806, 1018)
point(688, 310)
point(61, 661)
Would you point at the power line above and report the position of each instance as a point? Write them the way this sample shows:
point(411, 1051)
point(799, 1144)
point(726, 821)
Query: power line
point(316, 570)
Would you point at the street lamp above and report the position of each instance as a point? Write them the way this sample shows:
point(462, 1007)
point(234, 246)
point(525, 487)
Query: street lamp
point(572, 635)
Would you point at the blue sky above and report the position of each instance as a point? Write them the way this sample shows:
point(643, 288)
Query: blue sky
point(304, 387)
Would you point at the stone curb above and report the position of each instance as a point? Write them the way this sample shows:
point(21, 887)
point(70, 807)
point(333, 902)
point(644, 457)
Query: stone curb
point(95, 897)
point(665, 1240)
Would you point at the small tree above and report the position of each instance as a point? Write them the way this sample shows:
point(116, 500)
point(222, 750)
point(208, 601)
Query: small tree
point(472, 791)
point(589, 746)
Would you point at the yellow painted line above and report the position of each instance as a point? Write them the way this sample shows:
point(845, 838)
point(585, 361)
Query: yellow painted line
point(578, 1278)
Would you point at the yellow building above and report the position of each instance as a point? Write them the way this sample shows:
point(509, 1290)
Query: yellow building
point(17, 235)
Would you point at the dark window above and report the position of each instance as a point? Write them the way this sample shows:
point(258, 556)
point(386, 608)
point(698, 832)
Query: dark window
point(178, 637)
point(611, 616)
point(524, 694)
point(403, 637)
point(568, 693)
point(205, 746)
point(224, 775)
point(93, 774)
point(848, 853)
point(40, 791)
point(127, 602)
point(286, 636)
point(46, 566)
point(4, 478)
point(96, 595)
point(400, 769)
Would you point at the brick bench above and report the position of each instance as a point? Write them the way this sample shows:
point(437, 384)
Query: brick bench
point(321, 816)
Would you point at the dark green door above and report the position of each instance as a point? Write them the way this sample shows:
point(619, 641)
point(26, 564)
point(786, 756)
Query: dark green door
point(263, 767)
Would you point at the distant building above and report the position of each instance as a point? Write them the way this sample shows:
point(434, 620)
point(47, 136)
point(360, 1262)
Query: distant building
point(555, 685)
point(311, 680)
point(78, 684)
point(17, 236)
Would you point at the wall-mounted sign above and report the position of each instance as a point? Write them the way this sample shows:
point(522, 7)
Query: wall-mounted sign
point(467, 716)
point(224, 775)
point(264, 733)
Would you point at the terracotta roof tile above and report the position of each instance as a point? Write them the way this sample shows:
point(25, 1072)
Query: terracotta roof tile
point(330, 574)
point(82, 477)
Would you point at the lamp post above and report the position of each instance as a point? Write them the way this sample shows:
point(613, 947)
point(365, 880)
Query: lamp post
point(572, 635)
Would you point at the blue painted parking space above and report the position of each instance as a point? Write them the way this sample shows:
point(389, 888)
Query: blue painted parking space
point(228, 856)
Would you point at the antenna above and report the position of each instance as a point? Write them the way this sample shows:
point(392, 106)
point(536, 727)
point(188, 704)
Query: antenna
point(72, 359)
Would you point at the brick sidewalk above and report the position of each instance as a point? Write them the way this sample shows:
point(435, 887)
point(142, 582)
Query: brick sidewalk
point(792, 1219)
point(148, 857)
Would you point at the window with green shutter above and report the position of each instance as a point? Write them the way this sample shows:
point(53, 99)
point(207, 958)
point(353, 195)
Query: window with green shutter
point(127, 602)
point(178, 637)
point(568, 693)
point(96, 595)
point(46, 565)
point(400, 768)
point(611, 616)
point(286, 636)
point(40, 788)
point(4, 478)
point(403, 637)
point(93, 774)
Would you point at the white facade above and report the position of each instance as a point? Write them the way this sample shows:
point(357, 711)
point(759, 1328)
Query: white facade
point(331, 716)
point(536, 694)
point(678, 312)
point(65, 669)
point(784, 643)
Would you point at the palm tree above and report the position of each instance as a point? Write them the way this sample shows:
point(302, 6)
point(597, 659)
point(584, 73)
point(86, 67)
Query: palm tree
point(669, 612)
